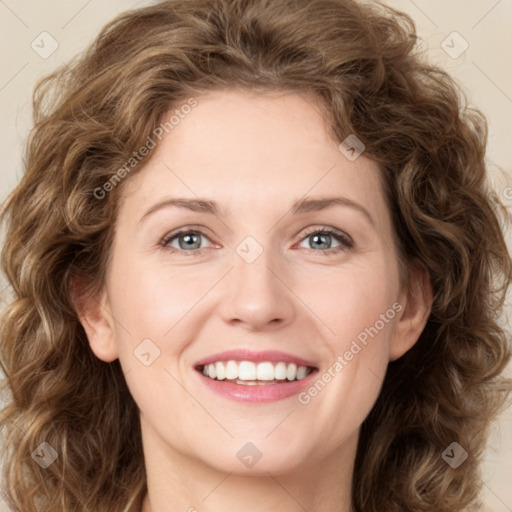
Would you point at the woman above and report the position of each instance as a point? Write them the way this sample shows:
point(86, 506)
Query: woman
point(256, 265)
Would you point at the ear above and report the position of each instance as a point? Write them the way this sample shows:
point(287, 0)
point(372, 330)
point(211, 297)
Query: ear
point(417, 305)
point(94, 315)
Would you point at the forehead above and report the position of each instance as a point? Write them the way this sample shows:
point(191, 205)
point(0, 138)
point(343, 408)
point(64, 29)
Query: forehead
point(252, 150)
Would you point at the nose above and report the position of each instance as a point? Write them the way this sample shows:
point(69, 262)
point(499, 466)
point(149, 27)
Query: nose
point(257, 295)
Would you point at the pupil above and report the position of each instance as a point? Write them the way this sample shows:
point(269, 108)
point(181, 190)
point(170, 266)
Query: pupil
point(318, 239)
point(189, 241)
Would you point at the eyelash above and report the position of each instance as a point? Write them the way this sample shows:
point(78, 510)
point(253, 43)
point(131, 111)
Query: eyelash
point(345, 240)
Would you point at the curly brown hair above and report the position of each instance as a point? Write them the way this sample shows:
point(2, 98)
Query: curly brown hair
point(361, 62)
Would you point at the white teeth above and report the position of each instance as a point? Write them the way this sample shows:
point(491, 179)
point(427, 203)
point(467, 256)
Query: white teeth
point(280, 371)
point(291, 371)
point(250, 372)
point(246, 370)
point(221, 373)
point(231, 370)
point(301, 372)
point(265, 371)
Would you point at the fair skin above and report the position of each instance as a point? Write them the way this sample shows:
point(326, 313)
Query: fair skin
point(254, 155)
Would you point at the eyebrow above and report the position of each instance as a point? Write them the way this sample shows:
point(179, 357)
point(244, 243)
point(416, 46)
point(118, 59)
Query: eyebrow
point(316, 204)
point(305, 205)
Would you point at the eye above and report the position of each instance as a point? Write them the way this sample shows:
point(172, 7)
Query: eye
point(185, 241)
point(321, 240)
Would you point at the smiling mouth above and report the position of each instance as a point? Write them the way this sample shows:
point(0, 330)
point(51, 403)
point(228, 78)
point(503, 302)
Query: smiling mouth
point(250, 373)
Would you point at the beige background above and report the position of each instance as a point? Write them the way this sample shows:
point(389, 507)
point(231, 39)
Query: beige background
point(484, 69)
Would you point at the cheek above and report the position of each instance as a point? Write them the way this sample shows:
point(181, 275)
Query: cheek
point(152, 301)
point(361, 307)
point(355, 300)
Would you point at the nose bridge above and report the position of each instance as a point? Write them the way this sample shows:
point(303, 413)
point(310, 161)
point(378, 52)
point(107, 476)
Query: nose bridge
point(252, 265)
point(257, 294)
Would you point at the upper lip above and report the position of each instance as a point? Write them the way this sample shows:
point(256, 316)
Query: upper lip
point(272, 356)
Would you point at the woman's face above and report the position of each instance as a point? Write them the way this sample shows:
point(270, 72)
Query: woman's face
point(233, 271)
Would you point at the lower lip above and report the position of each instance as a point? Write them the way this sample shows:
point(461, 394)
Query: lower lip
point(257, 392)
